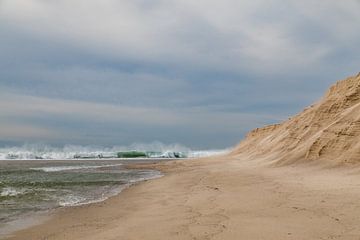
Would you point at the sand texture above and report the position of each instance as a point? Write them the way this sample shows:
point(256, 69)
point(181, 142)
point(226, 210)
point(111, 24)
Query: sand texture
point(328, 130)
point(221, 198)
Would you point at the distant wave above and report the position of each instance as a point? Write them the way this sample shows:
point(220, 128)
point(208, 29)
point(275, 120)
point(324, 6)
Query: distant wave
point(155, 150)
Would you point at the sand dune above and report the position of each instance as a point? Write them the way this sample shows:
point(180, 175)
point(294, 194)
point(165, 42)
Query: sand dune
point(328, 130)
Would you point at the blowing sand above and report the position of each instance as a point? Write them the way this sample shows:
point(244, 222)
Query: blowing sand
point(220, 198)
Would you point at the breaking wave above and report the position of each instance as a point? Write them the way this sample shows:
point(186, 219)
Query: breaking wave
point(152, 150)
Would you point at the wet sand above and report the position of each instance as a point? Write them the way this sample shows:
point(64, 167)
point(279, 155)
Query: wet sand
point(219, 198)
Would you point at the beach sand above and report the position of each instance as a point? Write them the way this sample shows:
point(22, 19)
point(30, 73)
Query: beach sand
point(219, 198)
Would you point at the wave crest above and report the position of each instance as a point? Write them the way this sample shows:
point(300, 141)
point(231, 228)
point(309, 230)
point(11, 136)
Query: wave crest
point(152, 150)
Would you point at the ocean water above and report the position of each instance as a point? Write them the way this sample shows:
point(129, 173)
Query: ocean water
point(29, 187)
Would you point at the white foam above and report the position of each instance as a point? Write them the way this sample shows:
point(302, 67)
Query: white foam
point(71, 201)
point(67, 168)
point(208, 153)
point(41, 151)
point(11, 192)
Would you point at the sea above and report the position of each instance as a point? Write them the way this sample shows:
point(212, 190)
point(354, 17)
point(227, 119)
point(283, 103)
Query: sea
point(37, 178)
point(30, 188)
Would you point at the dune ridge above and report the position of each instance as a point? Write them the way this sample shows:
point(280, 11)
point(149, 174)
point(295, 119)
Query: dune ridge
point(328, 130)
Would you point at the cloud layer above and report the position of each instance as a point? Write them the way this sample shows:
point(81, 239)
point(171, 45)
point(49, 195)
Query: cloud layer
point(200, 73)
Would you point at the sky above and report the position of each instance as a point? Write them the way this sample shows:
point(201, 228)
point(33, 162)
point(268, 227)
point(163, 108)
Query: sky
point(199, 73)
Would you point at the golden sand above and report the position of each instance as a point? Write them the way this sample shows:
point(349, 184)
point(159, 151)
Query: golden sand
point(220, 198)
point(328, 130)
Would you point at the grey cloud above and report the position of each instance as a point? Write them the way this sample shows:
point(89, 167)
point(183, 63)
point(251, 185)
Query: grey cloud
point(87, 122)
point(196, 69)
point(11, 131)
point(22, 106)
point(206, 33)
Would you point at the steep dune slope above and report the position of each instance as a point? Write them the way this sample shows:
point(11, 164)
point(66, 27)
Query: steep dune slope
point(328, 130)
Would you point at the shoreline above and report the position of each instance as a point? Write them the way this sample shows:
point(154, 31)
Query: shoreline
point(218, 198)
point(41, 218)
point(34, 218)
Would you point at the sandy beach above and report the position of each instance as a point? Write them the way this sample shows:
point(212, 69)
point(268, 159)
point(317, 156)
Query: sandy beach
point(299, 179)
point(220, 198)
point(179, 120)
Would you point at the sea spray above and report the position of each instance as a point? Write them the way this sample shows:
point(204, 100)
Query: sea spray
point(152, 150)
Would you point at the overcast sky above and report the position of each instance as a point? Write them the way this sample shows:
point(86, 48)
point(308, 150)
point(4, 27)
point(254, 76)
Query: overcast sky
point(200, 73)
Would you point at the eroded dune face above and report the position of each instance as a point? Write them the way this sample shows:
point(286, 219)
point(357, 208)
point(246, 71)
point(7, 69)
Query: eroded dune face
point(328, 130)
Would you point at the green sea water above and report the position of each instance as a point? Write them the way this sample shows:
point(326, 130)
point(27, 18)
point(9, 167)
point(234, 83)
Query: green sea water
point(28, 187)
